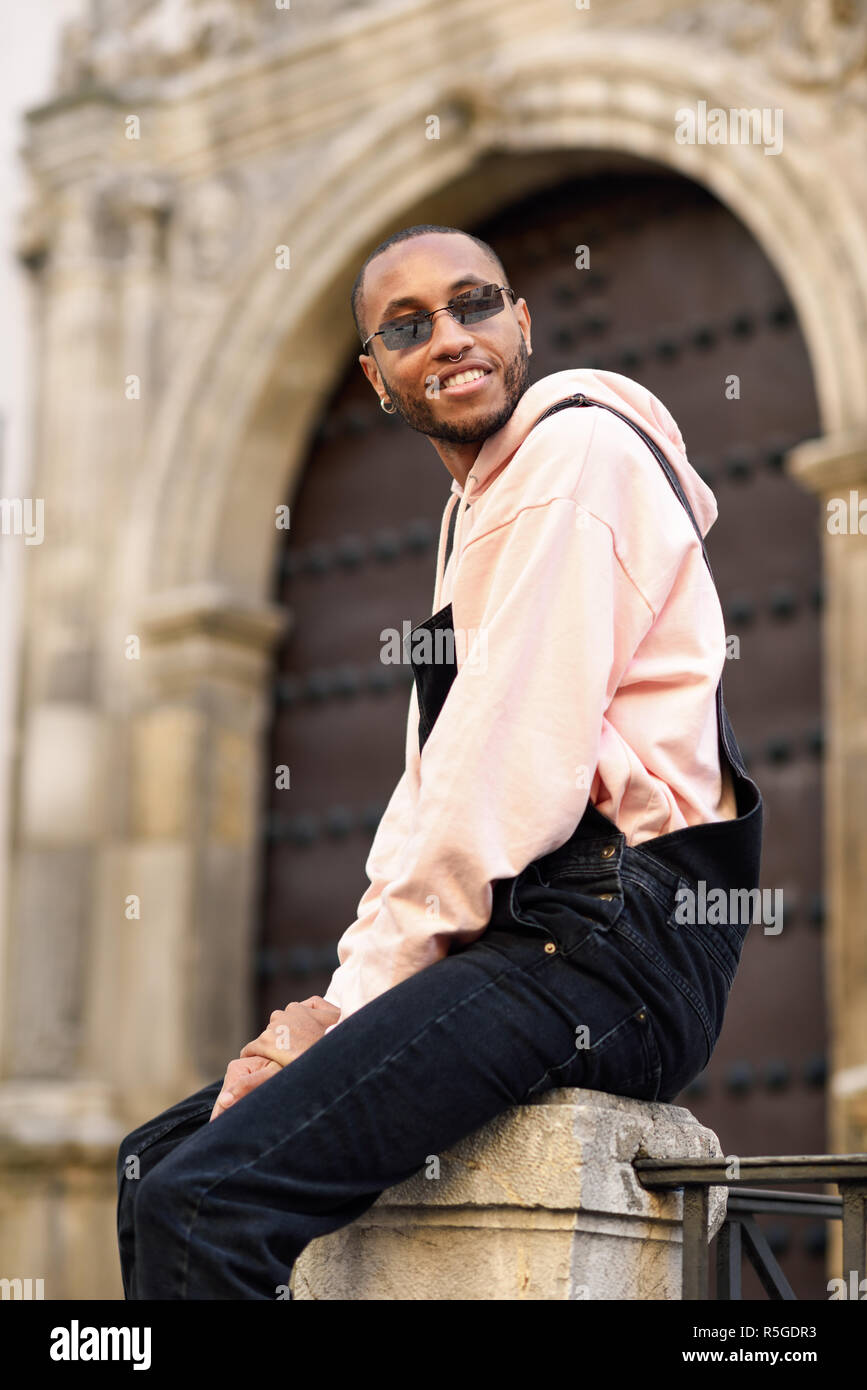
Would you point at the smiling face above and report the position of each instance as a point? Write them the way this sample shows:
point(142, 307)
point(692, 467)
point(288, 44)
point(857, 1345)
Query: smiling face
point(434, 395)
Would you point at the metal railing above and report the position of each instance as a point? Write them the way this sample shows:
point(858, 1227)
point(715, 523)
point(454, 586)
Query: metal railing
point(740, 1233)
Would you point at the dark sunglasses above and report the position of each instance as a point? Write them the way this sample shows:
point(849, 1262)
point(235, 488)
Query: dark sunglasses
point(469, 307)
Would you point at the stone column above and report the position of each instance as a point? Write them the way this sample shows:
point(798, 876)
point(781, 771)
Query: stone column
point(542, 1203)
point(168, 991)
point(164, 1002)
point(835, 467)
point(60, 792)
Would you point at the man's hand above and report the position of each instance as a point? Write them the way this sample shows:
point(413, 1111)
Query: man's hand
point(289, 1033)
point(292, 1030)
point(243, 1075)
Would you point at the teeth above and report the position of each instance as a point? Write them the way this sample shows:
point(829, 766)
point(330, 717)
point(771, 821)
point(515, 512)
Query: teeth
point(460, 377)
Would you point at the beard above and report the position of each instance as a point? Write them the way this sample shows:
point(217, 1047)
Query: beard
point(419, 415)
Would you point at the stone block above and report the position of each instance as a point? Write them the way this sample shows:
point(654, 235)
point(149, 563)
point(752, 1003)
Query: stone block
point(542, 1203)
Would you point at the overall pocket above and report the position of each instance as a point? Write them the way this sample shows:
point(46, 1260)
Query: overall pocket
point(567, 902)
point(625, 1061)
point(685, 983)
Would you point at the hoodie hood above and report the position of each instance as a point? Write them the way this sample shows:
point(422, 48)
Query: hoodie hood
point(609, 388)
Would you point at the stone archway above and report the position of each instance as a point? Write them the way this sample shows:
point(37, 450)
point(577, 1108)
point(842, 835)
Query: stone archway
point(270, 359)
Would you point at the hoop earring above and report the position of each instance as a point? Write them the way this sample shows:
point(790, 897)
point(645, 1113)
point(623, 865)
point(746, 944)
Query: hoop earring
point(388, 406)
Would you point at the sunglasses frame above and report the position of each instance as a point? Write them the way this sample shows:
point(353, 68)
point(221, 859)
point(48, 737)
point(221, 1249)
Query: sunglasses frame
point(460, 301)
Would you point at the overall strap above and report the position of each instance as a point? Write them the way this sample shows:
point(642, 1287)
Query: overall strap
point(726, 732)
point(450, 538)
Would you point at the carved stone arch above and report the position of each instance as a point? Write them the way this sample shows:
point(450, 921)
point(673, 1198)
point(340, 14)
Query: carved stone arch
point(268, 362)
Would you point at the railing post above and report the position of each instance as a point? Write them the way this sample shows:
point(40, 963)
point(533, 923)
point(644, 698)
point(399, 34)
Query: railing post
point(854, 1195)
point(728, 1260)
point(742, 1234)
point(695, 1261)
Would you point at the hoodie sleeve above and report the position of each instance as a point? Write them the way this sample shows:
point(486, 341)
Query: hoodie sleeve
point(382, 861)
point(387, 840)
point(546, 621)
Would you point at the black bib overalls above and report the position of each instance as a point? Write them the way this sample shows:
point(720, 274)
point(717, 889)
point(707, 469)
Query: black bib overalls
point(596, 883)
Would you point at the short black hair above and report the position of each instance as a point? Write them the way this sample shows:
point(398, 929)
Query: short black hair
point(419, 230)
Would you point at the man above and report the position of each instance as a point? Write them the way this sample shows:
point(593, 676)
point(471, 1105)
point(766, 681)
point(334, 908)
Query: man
point(571, 776)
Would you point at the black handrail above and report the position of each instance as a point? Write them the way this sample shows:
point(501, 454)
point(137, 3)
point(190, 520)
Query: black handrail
point(740, 1233)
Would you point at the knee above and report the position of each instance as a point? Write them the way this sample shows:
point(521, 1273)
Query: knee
point(159, 1195)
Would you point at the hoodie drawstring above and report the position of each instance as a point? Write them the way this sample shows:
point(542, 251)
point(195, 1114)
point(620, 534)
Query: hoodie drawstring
point(444, 530)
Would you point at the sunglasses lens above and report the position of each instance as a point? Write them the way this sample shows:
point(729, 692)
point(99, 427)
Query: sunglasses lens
point(407, 334)
point(471, 307)
point(477, 305)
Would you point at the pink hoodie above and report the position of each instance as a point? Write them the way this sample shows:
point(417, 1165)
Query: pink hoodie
point(589, 644)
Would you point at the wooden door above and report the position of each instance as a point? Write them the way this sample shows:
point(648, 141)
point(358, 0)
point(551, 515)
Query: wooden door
point(680, 297)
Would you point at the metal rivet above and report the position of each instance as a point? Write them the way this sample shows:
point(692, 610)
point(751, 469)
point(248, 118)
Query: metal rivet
point(642, 1015)
point(776, 1074)
point(783, 602)
point(740, 610)
point(739, 1077)
point(550, 947)
point(778, 749)
point(606, 897)
point(704, 336)
point(608, 851)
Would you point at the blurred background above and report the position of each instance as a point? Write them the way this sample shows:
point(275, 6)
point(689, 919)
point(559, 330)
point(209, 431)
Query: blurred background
point(190, 189)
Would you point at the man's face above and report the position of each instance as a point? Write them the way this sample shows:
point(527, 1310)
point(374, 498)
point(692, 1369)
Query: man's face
point(424, 273)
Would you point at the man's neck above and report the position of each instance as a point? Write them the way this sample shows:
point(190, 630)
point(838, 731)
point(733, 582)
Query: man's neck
point(458, 458)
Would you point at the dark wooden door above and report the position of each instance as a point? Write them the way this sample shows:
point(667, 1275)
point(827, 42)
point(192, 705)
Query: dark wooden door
point(680, 297)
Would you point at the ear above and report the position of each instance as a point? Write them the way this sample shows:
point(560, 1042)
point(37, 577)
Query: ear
point(368, 365)
point(522, 314)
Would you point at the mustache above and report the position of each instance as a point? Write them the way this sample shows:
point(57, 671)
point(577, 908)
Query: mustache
point(420, 414)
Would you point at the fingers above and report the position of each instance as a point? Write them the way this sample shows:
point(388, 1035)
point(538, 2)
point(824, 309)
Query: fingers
point(291, 1031)
point(321, 1005)
point(243, 1075)
point(324, 1006)
point(267, 1048)
point(286, 1029)
point(275, 1041)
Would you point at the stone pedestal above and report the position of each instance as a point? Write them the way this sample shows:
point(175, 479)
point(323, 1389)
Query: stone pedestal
point(543, 1203)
